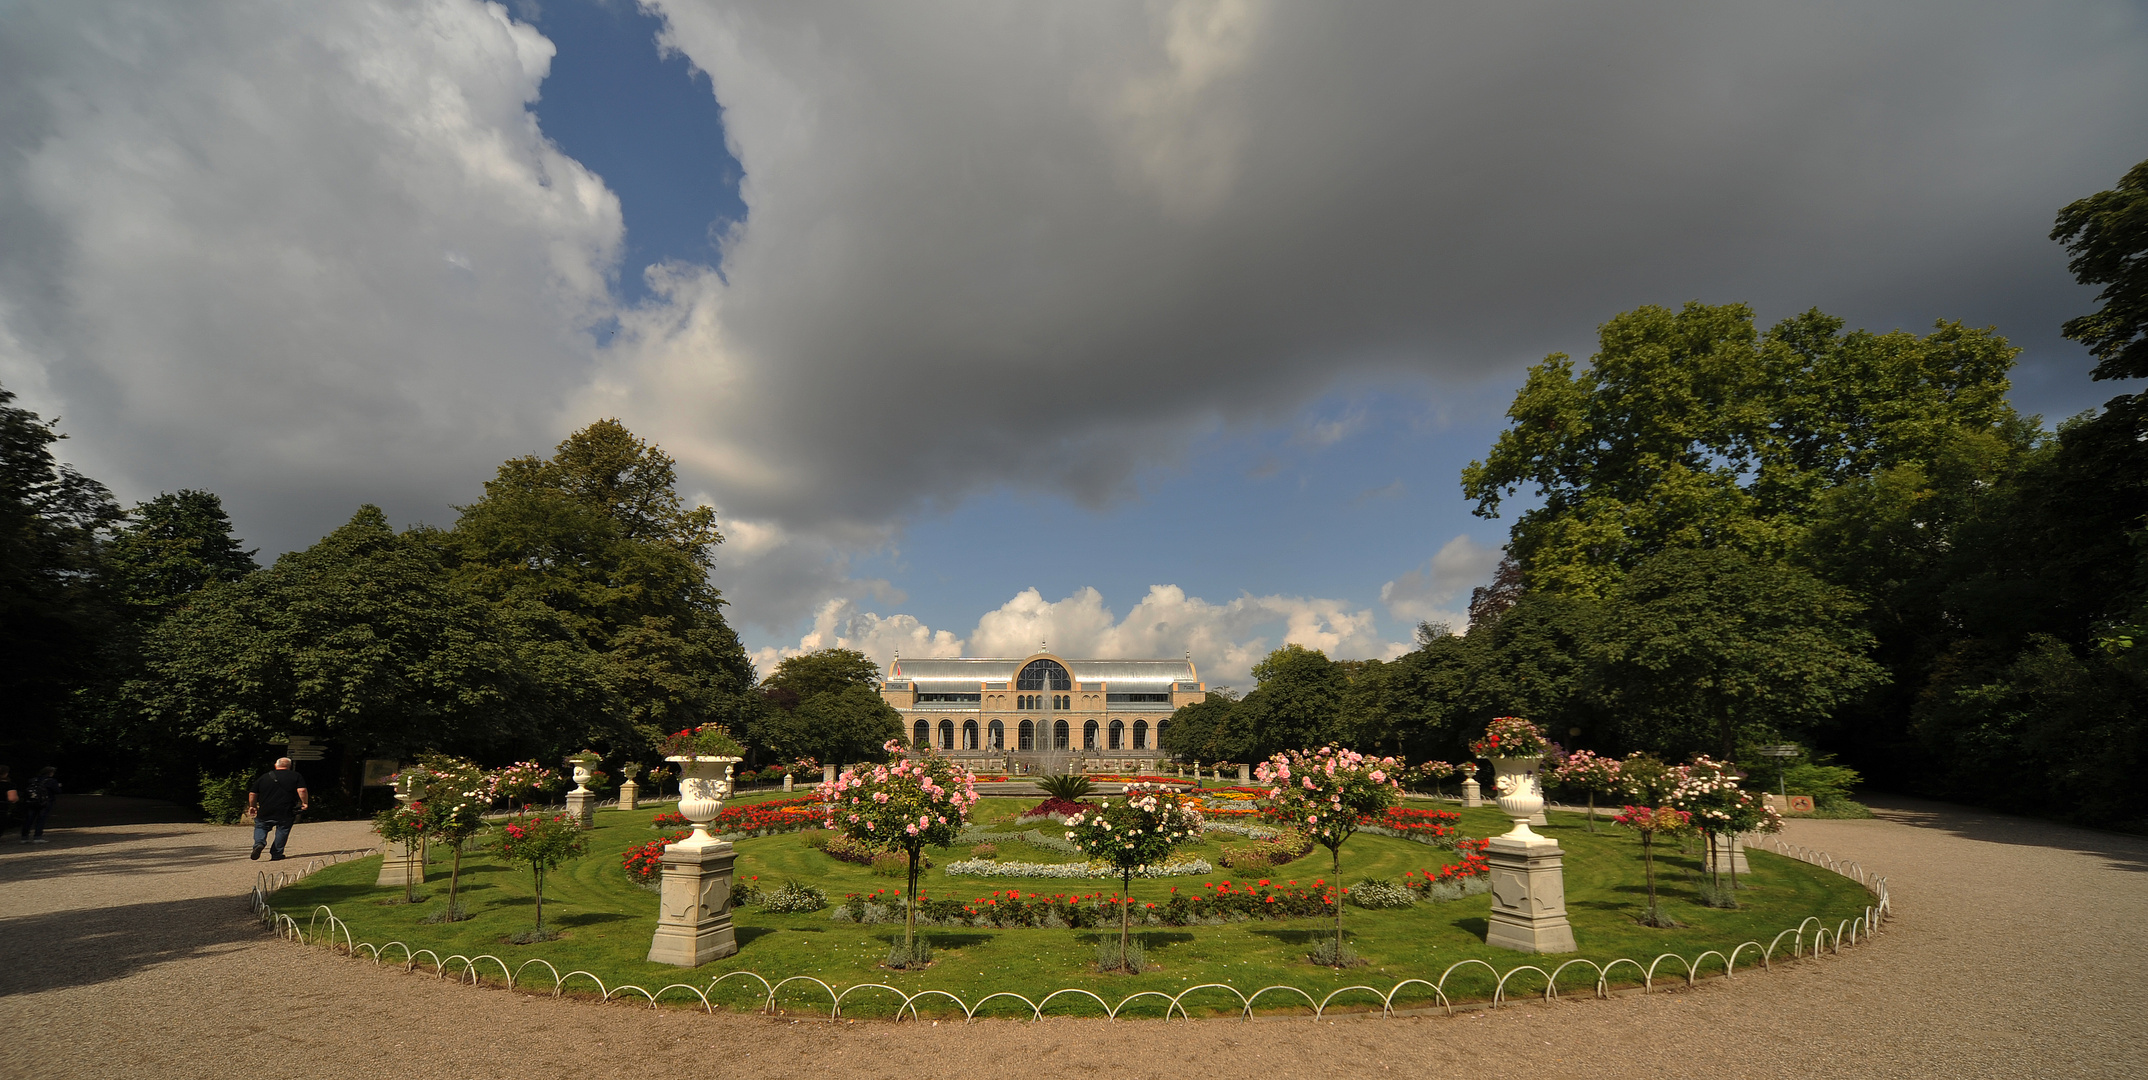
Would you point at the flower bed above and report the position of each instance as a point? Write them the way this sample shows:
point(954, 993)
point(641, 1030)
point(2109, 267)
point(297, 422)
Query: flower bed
point(645, 862)
point(995, 868)
point(1471, 875)
point(1114, 779)
point(1215, 904)
point(670, 819)
point(769, 818)
point(1056, 809)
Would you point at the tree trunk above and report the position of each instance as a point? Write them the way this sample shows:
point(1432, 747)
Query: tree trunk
point(1336, 852)
point(537, 873)
point(454, 875)
point(1592, 809)
point(1125, 902)
point(1648, 865)
point(410, 888)
point(909, 942)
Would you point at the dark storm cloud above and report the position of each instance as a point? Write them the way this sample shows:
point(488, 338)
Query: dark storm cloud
point(992, 246)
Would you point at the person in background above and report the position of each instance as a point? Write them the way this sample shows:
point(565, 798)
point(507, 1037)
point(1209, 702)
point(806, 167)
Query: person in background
point(277, 798)
point(38, 796)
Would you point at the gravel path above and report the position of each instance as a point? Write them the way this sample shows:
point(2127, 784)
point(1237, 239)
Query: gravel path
point(2015, 951)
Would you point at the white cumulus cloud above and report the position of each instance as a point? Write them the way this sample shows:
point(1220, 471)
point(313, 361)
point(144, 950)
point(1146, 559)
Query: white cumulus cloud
point(1438, 591)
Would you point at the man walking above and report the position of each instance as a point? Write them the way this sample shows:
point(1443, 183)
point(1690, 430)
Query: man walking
point(38, 796)
point(276, 799)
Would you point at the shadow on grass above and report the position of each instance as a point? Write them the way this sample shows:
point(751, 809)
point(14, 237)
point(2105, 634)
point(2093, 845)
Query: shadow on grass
point(1305, 937)
point(588, 918)
point(747, 935)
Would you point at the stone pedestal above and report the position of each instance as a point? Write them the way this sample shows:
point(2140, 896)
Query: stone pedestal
point(1472, 795)
point(1726, 854)
point(1528, 896)
point(827, 774)
point(693, 920)
point(630, 796)
point(786, 781)
point(401, 865)
point(582, 807)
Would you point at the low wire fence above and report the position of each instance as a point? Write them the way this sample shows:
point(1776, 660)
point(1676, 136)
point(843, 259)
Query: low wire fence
point(1811, 937)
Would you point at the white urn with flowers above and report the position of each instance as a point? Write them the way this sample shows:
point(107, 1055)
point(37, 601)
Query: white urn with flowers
point(1516, 750)
point(704, 756)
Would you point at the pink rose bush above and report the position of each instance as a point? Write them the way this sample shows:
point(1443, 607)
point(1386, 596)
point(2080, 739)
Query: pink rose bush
point(1326, 794)
point(906, 804)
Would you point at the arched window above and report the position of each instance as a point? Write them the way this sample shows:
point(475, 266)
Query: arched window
point(1118, 735)
point(1141, 734)
point(969, 734)
point(1059, 735)
point(1037, 673)
point(947, 734)
point(996, 732)
point(1066, 701)
point(922, 734)
point(1028, 736)
point(1088, 735)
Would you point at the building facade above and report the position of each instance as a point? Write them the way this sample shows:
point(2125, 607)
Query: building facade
point(1042, 713)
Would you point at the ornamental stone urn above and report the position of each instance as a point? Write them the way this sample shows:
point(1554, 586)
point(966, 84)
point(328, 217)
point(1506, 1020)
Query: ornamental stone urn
point(1528, 870)
point(693, 920)
point(582, 802)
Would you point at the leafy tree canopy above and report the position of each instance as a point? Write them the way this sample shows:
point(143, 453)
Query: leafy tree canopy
point(360, 639)
point(172, 546)
point(2107, 236)
point(1689, 429)
point(1703, 649)
point(822, 671)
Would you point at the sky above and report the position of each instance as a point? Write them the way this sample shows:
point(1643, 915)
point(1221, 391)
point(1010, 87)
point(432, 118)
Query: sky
point(1130, 329)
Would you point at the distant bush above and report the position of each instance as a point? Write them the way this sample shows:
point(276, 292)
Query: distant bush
point(223, 798)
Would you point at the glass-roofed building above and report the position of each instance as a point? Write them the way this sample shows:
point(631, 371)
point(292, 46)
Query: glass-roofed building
point(1042, 713)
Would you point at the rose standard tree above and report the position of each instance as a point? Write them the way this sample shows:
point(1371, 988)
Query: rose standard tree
point(456, 795)
point(540, 842)
point(1326, 794)
point(1592, 773)
point(912, 802)
point(1709, 793)
point(1136, 832)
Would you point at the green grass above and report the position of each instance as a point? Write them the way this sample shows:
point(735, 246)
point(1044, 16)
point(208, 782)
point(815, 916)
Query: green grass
point(606, 920)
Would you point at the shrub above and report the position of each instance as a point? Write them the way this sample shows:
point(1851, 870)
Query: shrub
point(905, 956)
point(1289, 845)
point(223, 798)
point(1066, 788)
point(793, 898)
point(890, 864)
point(985, 851)
point(1110, 957)
point(816, 839)
point(1332, 953)
point(843, 848)
point(1376, 894)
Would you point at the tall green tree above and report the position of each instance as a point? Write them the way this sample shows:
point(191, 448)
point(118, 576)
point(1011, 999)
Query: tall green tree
point(1690, 430)
point(361, 639)
point(2106, 234)
point(55, 601)
point(825, 705)
point(172, 547)
point(598, 536)
point(1298, 703)
point(1703, 650)
point(1211, 729)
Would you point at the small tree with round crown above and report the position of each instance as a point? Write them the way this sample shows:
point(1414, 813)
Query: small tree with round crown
point(1326, 794)
point(911, 802)
point(1133, 833)
point(1590, 772)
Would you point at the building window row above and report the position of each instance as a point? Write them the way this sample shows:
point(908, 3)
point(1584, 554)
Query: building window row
point(993, 736)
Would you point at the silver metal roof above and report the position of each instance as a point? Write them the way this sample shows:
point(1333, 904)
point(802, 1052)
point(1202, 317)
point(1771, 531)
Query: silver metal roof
point(964, 673)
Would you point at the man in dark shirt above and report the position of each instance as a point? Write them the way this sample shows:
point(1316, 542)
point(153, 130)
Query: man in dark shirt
point(276, 799)
point(38, 796)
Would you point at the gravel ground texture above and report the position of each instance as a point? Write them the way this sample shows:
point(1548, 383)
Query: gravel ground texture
point(2016, 950)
